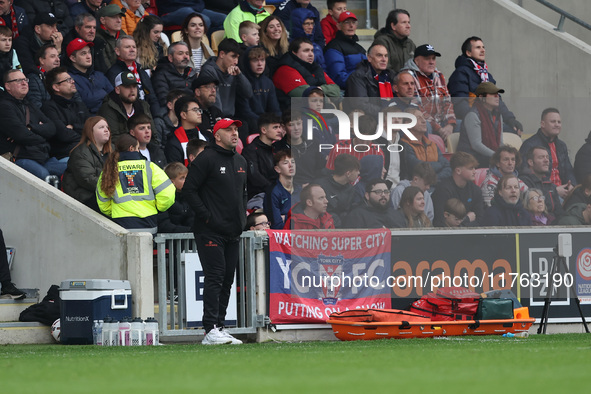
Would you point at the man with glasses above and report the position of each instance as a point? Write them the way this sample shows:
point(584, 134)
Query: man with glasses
point(25, 130)
point(122, 103)
point(377, 212)
point(257, 221)
point(65, 112)
point(189, 115)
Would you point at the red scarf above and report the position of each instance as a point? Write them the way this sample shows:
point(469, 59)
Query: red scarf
point(181, 134)
point(554, 172)
point(14, 26)
point(481, 70)
point(384, 85)
point(491, 132)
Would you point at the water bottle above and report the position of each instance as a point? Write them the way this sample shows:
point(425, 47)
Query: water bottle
point(106, 331)
point(137, 332)
point(124, 332)
point(152, 333)
point(97, 332)
point(524, 334)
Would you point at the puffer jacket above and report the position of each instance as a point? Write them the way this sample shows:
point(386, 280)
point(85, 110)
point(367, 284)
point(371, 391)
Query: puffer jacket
point(59, 8)
point(342, 56)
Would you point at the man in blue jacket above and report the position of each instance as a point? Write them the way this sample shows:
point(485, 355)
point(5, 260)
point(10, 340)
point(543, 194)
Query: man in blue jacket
point(471, 70)
point(92, 85)
point(343, 53)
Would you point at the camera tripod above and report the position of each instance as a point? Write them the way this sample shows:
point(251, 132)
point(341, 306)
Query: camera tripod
point(558, 266)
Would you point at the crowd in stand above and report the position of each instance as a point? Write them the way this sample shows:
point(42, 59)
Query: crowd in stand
point(171, 136)
point(79, 76)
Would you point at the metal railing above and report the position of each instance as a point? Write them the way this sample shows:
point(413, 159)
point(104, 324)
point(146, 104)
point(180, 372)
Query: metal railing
point(171, 274)
point(563, 16)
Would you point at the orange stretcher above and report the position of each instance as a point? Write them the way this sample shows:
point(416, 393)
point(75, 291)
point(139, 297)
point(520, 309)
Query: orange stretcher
point(369, 324)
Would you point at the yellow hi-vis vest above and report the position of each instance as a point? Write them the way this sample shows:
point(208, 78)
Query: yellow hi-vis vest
point(143, 190)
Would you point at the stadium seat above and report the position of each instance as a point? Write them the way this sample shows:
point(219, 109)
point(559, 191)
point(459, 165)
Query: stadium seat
point(452, 142)
point(480, 175)
point(216, 38)
point(512, 139)
point(438, 141)
point(240, 146)
point(251, 138)
point(269, 8)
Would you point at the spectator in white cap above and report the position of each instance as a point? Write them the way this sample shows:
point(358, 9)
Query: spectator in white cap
point(122, 103)
point(216, 190)
point(92, 85)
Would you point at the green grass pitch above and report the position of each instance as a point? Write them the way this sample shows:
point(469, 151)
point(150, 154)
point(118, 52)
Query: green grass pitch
point(492, 364)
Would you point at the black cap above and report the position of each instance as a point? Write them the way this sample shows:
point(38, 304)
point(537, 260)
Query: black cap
point(426, 50)
point(204, 79)
point(45, 18)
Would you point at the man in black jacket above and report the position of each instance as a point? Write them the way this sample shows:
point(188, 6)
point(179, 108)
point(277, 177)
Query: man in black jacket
point(583, 160)
point(67, 114)
point(140, 126)
point(259, 155)
point(377, 212)
point(126, 51)
point(216, 190)
point(174, 72)
point(205, 88)
point(560, 169)
point(26, 130)
point(536, 176)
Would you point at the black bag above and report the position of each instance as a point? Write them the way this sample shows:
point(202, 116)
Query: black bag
point(45, 312)
point(495, 308)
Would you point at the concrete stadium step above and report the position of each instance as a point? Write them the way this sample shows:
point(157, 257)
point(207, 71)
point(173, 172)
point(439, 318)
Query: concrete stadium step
point(10, 310)
point(20, 333)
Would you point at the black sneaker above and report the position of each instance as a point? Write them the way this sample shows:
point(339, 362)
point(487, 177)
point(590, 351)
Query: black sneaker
point(9, 290)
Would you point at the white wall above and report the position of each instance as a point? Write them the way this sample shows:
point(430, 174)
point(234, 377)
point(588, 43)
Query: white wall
point(57, 238)
point(537, 66)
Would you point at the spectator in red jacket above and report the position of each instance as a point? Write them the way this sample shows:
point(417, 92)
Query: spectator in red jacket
point(310, 213)
point(329, 23)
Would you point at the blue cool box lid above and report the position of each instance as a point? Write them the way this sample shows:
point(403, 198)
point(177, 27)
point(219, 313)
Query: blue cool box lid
point(95, 284)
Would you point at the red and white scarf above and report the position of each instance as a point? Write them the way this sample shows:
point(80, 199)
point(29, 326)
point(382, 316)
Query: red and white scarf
point(481, 70)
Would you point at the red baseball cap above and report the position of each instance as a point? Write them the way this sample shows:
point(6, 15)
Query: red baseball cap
point(346, 15)
point(225, 123)
point(77, 44)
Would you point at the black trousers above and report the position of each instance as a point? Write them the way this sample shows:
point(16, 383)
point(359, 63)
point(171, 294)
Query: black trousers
point(4, 271)
point(219, 258)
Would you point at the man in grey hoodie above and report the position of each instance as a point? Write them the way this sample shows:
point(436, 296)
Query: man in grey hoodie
point(232, 83)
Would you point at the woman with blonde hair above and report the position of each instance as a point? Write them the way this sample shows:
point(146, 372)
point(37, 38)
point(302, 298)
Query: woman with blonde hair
point(132, 190)
point(193, 30)
point(148, 39)
point(535, 203)
point(273, 37)
point(411, 213)
point(87, 160)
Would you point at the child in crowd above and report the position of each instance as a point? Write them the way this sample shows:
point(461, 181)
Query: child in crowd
point(329, 23)
point(179, 217)
point(249, 33)
point(8, 57)
point(454, 212)
point(280, 197)
point(194, 148)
